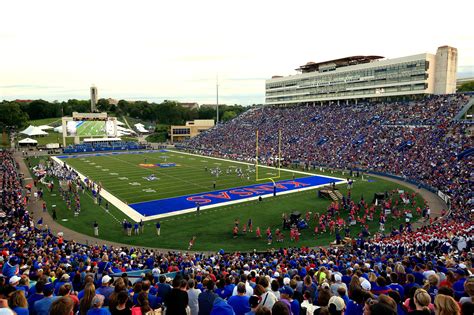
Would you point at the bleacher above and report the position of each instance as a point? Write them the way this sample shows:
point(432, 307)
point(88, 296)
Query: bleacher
point(103, 146)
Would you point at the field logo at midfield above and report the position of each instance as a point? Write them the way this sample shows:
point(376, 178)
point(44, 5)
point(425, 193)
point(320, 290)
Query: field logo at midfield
point(165, 165)
point(160, 165)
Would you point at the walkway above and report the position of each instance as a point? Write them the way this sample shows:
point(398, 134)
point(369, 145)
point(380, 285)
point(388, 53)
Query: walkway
point(35, 207)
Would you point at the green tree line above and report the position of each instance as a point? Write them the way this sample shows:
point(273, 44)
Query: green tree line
point(17, 114)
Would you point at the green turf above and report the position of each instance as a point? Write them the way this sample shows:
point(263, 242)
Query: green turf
point(51, 137)
point(123, 176)
point(213, 227)
point(45, 121)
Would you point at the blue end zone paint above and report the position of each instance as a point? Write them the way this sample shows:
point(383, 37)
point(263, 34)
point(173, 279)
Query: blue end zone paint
point(156, 207)
point(106, 154)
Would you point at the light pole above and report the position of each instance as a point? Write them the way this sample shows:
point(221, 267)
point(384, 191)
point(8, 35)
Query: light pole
point(217, 99)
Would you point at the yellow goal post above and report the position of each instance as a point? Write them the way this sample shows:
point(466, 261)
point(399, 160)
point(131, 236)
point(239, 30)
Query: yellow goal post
point(257, 178)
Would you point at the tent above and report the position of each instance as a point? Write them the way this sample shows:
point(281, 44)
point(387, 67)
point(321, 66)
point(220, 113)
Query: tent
point(45, 127)
point(28, 141)
point(28, 130)
point(33, 131)
point(119, 123)
point(59, 129)
point(140, 128)
point(125, 130)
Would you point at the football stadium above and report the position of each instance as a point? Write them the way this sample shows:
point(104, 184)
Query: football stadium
point(348, 191)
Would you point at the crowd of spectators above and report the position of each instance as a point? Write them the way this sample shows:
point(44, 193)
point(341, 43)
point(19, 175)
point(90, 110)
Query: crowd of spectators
point(423, 271)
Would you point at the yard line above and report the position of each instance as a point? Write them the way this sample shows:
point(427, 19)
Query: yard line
point(182, 180)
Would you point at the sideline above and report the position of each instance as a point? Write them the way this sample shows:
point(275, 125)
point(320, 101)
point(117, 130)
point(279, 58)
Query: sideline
point(137, 216)
point(34, 207)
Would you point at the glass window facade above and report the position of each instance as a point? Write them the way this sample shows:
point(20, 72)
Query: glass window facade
point(397, 78)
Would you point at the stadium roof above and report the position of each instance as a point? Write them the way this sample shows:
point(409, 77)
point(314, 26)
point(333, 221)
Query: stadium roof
point(341, 62)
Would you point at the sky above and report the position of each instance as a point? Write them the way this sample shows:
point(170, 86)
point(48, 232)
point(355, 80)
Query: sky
point(175, 50)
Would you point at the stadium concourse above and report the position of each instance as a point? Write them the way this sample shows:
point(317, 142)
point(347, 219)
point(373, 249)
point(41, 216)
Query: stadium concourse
point(425, 271)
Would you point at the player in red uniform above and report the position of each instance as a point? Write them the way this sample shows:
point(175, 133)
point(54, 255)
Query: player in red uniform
point(235, 231)
point(191, 242)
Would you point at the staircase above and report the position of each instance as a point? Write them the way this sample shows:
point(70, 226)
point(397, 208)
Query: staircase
point(328, 194)
point(333, 196)
point(464, 110)
point(338, 194)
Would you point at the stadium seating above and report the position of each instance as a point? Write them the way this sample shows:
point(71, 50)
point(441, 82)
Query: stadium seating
point(418, 141)
point(99, 146)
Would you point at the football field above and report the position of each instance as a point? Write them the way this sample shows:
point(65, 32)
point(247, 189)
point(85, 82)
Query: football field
point(127, 176)
point(161, 183)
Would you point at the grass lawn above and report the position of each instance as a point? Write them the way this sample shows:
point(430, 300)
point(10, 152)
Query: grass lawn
point(51, 137)
point(213, 227)
point(45, 121)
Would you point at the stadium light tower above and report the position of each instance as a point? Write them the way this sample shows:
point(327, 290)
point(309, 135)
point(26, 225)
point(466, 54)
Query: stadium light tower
point(217, 98)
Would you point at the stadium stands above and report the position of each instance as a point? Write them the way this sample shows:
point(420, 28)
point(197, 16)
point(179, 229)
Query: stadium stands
point(100, 146)
point(403, 272)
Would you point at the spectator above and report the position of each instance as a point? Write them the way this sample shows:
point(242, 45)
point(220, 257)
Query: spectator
point(18, 303)
point(254, 304)
point(177, 300)
point(105, 289)
point(240, 302)
point(422, 301)
point(97, 306)
point(220, 307)
point(42, 306)
point(122, 305)
point(62, 306)
point(307, 307)
point(446, 305)
point(469, 289)
point(206, 299)
point(86, 301)
point(281, 308)
point(336, 306)
point(193, 297)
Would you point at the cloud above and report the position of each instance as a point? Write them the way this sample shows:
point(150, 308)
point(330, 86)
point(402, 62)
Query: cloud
point(29, 86)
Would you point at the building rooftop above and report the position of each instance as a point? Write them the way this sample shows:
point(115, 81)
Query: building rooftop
point(336, 63)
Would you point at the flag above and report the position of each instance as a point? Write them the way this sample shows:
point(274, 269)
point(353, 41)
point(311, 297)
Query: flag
point(40, 221)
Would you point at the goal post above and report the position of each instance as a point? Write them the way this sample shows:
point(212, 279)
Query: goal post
point(257, 177)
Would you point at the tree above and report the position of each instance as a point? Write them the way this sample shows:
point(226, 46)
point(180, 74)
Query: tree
point(12, 115)
point(467, 87)
point(103, 105)
point(228, 115)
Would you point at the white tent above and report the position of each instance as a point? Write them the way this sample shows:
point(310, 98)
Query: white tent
point(120, 123)
point(121, 129)
point(45, 127)
point(59, 129)
point(33, 131)
point(28, 130)
point(140, 128)
point(28, 141)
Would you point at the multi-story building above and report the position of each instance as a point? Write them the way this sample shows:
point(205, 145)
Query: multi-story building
point(191, 129)
point(366, 77)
